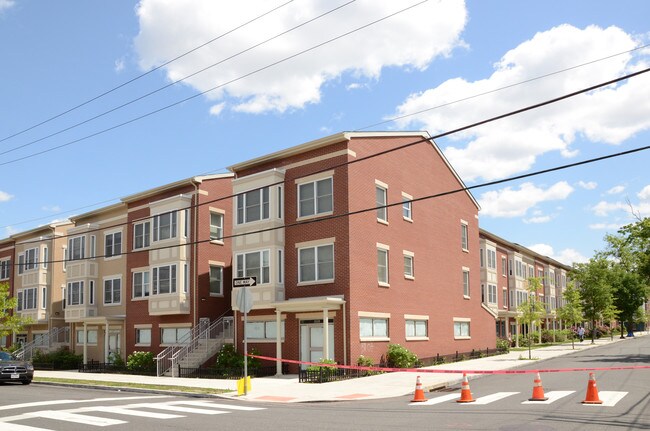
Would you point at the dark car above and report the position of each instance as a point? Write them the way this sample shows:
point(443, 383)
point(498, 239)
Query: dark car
point(13, 369)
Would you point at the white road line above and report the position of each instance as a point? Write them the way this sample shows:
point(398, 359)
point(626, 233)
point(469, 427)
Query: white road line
point(437, 400)
point(132, 412)
point(609, 398)
point(92, 400)
point(174, 408)
point(552, 397)
point(215, 405)
point(491, 398)
point(16, 427)
point(77, 418)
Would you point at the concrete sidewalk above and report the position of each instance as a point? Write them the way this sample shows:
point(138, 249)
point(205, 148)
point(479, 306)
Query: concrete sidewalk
point(287, 389)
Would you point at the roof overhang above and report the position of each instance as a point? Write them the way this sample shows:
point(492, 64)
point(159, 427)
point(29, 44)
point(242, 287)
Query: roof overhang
point(316, 303)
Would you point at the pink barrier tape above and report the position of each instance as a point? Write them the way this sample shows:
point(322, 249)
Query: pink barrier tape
point(439, 371)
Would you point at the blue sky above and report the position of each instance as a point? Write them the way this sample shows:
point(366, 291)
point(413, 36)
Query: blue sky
point(444, 54)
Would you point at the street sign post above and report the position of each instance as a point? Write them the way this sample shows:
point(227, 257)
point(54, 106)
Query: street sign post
point(244, 302)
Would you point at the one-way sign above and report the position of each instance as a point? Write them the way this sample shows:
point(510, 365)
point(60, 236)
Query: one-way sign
point(244, 281)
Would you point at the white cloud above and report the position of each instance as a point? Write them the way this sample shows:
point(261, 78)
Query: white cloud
point(395, 42)
point(6, 4)
point(590, 185)
point(644, 194)
point(216, 109)
point(119, 65)
point(53, 208)
point(516, 203)
point(4, 196)
point(512, 145)
point(537, 220)
point(605, 226)
point(567, 256)
point(616, 190)
point(603, 209)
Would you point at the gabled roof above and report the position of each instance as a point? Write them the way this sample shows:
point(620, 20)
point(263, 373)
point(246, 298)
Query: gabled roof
point(171, 186)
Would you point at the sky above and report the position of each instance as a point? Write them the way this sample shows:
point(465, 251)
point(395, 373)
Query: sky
point(100, 100)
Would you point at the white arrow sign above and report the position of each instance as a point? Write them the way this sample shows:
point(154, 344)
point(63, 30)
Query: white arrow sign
point(244, 281)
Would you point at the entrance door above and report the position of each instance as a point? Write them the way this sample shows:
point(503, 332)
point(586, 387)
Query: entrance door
point(311, 341)
point(113, 343)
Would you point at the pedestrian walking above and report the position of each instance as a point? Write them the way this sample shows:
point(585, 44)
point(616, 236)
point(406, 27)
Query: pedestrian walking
point(581, 333)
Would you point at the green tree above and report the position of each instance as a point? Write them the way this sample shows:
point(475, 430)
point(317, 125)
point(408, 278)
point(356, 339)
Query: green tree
point(532, 310)
point(610, 315)
point(592, 279)
point(571, 313)
point(9, 321)
point(630, 292)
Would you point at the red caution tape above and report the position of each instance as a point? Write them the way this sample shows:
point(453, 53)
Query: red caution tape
point(440, 371)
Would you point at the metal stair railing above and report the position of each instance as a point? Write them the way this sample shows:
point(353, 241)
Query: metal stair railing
point(56, 335)
point(219, 330)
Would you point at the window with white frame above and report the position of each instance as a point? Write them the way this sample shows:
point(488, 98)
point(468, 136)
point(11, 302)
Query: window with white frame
point(91, 292)
point(504, 268)
point(504, 294)
point(165, 226)
point(254, 264)
point(93, 246)
point(141, 284)
point(164, 279)
point(216, 226)
point(143, 336)
point(416, 328)
point(75, 293)
point(141, 235)
point(316, 263)
point(216, 280)
point(492, 294)
point(381, 197)
point(263, 330)
point(382, 265)
point(407, 207)
point(174, 335)
point(315, 198)
point(408, 265)
point(29, 298)
point(466, 282)
point(31, 258)
point(46, 256)
point(462, 328)
point(5, 269)
point(253, 206)
point(21, 263)
point(113, 244)
point(113, 291)
point(186, 225)
point(186, 278)
point(373, 327)
point(77, 248)
point(91, 336)
point(19, 301)
point(44, 298)
point(491, 258)
point(464, 236)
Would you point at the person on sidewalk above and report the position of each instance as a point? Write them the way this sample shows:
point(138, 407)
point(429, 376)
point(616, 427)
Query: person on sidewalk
point(581, 333)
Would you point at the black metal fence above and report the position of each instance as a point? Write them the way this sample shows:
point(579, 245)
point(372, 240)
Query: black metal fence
point(104, 367)
point(230, 373)
point(462, 356)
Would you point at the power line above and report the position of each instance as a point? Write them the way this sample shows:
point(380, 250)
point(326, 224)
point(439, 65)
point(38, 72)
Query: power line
point(151, 93)
point(410, 144)
point(178, 57)
point(133, 120)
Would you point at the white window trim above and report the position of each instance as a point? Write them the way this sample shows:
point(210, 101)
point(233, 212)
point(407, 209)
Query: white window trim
point(410, 254)
point(385, 248)
point(469, 287)
point(417, 317)
point(313, 179)
point(410, 198)
point(104, 280)
point(139, 271)
point(466, 224)
point(113, 256)
point(466, 320)
point(223, 225)
point(221, 265)
point(384, 186)
point(317, 280)
point(373, 315)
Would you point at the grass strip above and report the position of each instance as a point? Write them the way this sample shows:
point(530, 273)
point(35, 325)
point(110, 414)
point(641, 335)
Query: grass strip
point(190, 389)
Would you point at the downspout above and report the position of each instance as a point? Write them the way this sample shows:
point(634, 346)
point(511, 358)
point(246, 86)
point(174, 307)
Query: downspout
point(195, 235)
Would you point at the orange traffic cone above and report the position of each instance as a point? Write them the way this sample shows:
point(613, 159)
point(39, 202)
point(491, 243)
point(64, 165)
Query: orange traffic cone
point(538, 390)
point(465, 393)
point(592, 391)
point(419, 393)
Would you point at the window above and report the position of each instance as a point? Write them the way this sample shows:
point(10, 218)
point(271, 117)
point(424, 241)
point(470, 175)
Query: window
point(407, 212)
point(492, 294)
point(186, 278)
point(46, 257)
point(503, 267)
point(142, 235)
point(143, 336)
point(31, 258)
point(263, 330)
point(113, 291)
point(371, 327)
point(19, 306)
point(408, 265)
point(416, 328)
point(462, 329)
point(253, 206)
point(216, 280)
point(316, 263)
point(164, 279)
point(43, 298)
point(382, 266)
point(29, 299)
point(382, 211)
point(505, 297)
point(21, 263)
point(113, 244)
point(491, 259)
point(481, 254)
point(315, 198)
point(164, 226)
point(466, 283)
point(186, 225)
point(216, 226)
point(76, 293)
point(464, 239)
point(141, 284)
point(280, 267)
point(77, 248)
point(91, 292)
point(5, 269)
point(93, 246)
point(91, 335)
point(174, 335)
point(254, 264)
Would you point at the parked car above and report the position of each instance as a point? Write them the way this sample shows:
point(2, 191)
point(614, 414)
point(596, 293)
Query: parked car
point(13, 369)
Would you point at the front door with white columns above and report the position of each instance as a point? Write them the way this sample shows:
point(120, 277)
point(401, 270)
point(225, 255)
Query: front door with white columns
point(312, 335)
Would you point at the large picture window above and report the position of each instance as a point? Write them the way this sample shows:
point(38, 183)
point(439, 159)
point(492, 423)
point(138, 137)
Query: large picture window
point(164, 226)
point(254, 264)
point(141, 284)
point(316, 263)
point(31, 258)
point(75, 293)
point(112, 291)
point(164, 279)
point(315, 197)
point(142, 235)
point(370, 327)
point(253, 206)
point(113, 244)
point(5, 269)
point(216, 280)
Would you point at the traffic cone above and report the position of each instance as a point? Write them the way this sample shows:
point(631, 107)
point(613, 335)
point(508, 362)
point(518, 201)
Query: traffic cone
point(538, 390)
point(419, 393)
point(592, 391)
point(465, 393)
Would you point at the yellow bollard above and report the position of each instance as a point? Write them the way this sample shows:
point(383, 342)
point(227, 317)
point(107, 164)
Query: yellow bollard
point(240, 385)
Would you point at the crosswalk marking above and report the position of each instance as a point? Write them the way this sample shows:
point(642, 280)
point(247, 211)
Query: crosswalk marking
point(77, 418)
point(552, 397)
point(175, 408)
point(133, 412)
point(609, 398)
point(16, 427)
point(216, 405)
point(91, 400)
point(437, 400)
point(492, 398)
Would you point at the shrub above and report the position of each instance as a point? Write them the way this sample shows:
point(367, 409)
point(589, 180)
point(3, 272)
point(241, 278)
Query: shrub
point(230, 362)
point(364, 361)
point(115, 359)
point(141, 362)
point(400, 357)
point(62, 359)
point(324, 370)
point(503, 345)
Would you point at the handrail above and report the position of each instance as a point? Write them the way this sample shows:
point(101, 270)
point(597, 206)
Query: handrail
point(219, 330)
point(26, 352)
